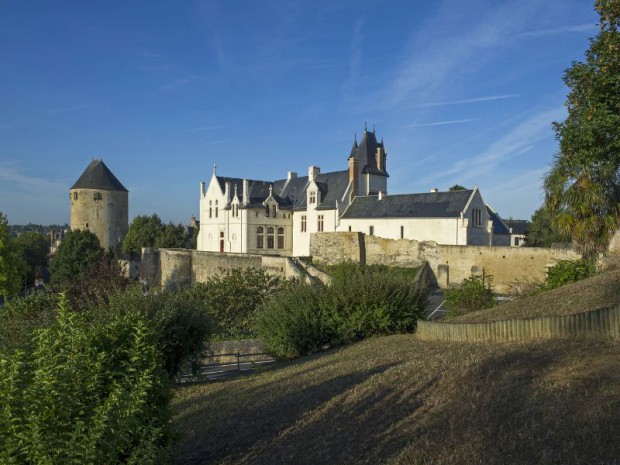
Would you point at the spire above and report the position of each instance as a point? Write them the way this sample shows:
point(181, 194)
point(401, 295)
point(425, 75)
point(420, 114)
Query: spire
point(214, 167)
point(354, 148)
point(365, 126)
point(270, 190)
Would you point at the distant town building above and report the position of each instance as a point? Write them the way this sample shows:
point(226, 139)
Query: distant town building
point(100, 204)
point(278, 217)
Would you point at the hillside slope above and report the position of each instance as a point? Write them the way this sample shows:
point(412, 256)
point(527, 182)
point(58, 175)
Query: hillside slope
point(589, 294)
point(402, 401)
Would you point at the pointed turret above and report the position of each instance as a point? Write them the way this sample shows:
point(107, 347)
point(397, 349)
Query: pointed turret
point(354, 148)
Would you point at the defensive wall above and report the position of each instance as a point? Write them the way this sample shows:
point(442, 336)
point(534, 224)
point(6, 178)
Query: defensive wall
point(450, 264)
point(180, 267)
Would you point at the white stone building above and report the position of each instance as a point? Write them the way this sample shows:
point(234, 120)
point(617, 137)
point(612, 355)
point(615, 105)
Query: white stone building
point(278, 217)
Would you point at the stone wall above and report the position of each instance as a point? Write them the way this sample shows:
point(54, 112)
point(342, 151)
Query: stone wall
point(179, 267)
point(449, 263)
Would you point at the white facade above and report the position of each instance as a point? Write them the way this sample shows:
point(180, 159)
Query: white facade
point(277, 218)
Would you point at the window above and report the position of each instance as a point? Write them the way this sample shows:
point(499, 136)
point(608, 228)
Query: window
point(312, 197)
point(75, 195)
point(256, 213)
point(320, 224)
point(371, 231)
point(303, 223)
point(216, 210)
point(273, 211)
point(349, 228)
point(210, 212)
point(259, 237)
point(476, 217)
point(86, 225)
point(517, 239)
point(270, 238)
point(97, 196)
point(280, 238)
point(210, 202)
point(267, 211)
point(402, 232)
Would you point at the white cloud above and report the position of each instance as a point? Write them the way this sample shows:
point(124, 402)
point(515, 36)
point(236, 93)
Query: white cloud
point(442, 123)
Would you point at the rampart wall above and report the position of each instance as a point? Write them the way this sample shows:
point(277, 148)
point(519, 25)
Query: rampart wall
point(180, 267)
point(449, 263)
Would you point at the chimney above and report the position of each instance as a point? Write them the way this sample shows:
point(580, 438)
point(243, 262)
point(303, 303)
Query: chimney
point(434, 189)
point(313, 171)
point(246, 191)
point(291, 175)
point(202, 188)
point(380, 195)
point(227, 190)
point(353, 176)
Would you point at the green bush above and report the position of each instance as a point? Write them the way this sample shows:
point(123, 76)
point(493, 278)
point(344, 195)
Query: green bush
point(361, 302)
point(293, 322)
point(233, 298)
point(373, 300)
point(85, 393)
point(568, 271)
point(179, 321)
point(474, 293)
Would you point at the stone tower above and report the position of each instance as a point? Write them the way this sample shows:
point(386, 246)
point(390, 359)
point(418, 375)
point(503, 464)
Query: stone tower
point(100, 204)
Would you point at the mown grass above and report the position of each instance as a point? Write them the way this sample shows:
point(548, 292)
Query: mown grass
point(589, 294)
point(398, 400)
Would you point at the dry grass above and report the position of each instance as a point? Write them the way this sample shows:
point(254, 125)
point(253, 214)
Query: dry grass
point(590, 294)
point(398, 400)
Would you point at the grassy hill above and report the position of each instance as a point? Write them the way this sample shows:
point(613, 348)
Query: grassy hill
point(589, 294)
point(398, 400)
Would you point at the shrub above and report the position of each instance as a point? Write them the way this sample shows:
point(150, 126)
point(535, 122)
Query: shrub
point(20, 317)
point(293, 322)
point(371, 301)
point(85, 393)
point(361, 302)
point(568, 271)
point(474, 293)
point(179, 321)
point(233, 298)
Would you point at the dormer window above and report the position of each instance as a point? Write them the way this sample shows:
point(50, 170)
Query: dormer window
point(267, 211)
point(273, 211)
point(312, 197)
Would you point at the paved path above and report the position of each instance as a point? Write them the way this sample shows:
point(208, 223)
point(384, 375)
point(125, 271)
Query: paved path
point(436, 306)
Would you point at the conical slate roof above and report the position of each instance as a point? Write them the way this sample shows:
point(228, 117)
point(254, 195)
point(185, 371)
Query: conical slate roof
point(98, 176)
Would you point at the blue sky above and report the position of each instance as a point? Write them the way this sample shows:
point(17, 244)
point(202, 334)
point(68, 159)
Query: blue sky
point(462, 91)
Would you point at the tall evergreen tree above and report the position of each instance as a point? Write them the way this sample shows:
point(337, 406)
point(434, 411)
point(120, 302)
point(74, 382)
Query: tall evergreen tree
point(583, 184)
point(11, 262)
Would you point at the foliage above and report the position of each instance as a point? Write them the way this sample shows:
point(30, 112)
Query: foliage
point(457, 187)
point(232, 299)
point(367, 301)
point(361, 302)
point(294, 323)
point(20, 317)
point(34, 248)
point(76, 252)
point(583, 184)
point(11, 262)
point(568, 271)
point(474, 293)
point(540, 232)
point(179, 321)
point(149, 231)
point(85, 393)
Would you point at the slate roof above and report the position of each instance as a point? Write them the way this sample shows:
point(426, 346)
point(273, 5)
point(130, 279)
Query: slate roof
point(427, 205)
point(498, 223)
point(98, 176)
point(366, 152)
point(291, 193)
point(518, 226)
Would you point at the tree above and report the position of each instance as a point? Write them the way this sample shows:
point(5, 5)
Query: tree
point(172, 237)
point(539, 233)
point(582, 188)
point(457, 187)
point(77, 251)
point(11, 263)
point(34, 248)
point(143, 232)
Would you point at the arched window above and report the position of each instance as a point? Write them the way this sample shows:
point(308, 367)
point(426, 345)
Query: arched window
point(270, 238)
point(280, 238)
point(259, 237)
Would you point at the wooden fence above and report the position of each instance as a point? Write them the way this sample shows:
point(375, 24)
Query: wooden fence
point(603, 322)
